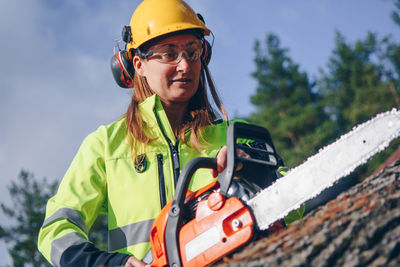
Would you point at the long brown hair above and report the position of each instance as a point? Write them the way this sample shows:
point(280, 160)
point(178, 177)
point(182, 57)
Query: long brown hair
point(199, 111)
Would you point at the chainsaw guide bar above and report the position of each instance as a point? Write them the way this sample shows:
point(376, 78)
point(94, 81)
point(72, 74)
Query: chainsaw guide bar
point(323, 169)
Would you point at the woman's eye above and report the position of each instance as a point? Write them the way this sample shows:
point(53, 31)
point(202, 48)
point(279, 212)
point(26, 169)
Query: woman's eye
point(192, 54)
point(170, 55)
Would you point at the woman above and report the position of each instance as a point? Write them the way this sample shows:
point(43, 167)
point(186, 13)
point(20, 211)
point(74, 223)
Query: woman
point(129, 168)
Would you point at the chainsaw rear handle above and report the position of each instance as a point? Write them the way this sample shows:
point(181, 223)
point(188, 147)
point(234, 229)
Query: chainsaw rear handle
point(247, 131)
point(175, 217)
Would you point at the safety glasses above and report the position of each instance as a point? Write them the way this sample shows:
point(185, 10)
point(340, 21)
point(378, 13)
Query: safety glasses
point(172, 53)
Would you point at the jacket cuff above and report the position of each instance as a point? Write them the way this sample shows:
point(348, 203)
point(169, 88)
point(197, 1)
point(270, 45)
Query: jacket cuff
point(87, 255)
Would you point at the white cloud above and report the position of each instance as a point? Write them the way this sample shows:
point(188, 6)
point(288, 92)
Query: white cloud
point(55, 85)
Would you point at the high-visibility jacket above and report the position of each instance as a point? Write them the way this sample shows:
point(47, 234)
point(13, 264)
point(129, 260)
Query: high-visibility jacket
point(104, 178)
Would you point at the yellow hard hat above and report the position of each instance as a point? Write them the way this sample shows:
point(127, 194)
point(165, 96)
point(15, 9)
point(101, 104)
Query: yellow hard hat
point(153, 18)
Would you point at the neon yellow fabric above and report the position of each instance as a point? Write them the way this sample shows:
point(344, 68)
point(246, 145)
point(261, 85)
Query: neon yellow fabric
point(102, 173)
point(102, 177)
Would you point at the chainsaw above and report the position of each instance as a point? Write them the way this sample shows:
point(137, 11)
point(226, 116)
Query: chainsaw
point(198, 228)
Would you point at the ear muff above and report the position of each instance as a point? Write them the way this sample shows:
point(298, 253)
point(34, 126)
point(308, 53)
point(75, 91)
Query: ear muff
point(207, 52)
point(122, 69)
point(121, 66)
point(206, 55)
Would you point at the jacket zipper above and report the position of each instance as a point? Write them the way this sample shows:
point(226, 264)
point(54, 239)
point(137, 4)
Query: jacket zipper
point(175, 160)
point(163, 199)
point(173, 149)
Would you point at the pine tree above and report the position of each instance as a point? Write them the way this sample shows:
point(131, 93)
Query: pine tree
point(29, 197)
point(362, 80)
point(356, 86)
point(393, 58)
point(287, 104)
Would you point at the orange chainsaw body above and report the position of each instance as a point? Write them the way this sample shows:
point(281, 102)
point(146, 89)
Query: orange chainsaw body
point(198, 228)
point(220, 226)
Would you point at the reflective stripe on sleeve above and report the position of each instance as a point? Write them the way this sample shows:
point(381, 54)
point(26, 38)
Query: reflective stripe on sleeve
point(71, 215)
point(129, 235)
point(61, 244)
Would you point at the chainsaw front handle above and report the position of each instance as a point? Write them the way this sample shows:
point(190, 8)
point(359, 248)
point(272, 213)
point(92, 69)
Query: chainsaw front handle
point(175, 217)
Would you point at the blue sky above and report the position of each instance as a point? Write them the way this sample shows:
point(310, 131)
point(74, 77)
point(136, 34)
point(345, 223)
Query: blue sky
point(55, 81)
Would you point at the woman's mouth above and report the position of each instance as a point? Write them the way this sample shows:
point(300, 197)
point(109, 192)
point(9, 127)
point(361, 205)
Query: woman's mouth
point(182, 80)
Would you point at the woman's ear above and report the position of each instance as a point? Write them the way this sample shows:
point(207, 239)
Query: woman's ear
point(138, 65)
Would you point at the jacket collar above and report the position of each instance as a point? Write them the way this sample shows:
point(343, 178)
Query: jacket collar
point(153, 114)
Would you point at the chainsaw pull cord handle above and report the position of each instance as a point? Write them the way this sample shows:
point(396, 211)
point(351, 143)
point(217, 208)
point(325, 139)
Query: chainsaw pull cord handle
point(238, 130)
point(175, 217)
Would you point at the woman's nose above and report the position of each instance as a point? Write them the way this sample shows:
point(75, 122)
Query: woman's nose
point(183, 64)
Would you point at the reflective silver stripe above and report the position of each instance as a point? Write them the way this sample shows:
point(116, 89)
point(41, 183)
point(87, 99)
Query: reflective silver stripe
point(71, 215)
point(59, 245)
point(148, 258)
point(129, 235)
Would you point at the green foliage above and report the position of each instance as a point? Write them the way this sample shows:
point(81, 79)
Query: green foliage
point(287, 104)
point(356, 86)
point(361, 80)
point(29, 198)
point(295, 215)
point(395, 15)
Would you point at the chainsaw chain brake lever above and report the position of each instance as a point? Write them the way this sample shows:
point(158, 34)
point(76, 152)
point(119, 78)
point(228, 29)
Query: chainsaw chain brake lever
point(235, 163)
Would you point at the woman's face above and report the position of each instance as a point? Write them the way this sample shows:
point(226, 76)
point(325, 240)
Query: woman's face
point(173, 70)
